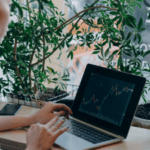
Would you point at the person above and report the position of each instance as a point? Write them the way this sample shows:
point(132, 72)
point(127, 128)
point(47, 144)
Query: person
point(44, 125)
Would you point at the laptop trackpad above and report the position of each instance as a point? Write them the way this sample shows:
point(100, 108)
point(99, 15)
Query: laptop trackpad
point(71, 142)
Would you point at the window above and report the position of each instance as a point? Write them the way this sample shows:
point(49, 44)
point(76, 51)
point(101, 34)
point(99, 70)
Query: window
point(83, 56)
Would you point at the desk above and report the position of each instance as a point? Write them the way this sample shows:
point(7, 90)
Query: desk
point(138, 138)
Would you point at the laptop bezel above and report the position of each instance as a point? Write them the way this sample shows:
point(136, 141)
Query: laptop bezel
point(139, 84)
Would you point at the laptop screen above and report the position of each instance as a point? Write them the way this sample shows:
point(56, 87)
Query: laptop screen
point(106, 98)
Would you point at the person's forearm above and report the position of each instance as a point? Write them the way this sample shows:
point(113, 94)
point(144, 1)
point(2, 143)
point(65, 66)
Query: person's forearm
point(12, 122)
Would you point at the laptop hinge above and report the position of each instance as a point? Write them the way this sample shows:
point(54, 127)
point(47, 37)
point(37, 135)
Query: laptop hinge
point(118, 136)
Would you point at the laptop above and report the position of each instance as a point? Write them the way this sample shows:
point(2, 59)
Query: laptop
point(103, 109)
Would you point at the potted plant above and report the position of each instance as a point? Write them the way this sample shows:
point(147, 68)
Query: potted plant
point(26, 47)
point(117, 41)
point(34, 39)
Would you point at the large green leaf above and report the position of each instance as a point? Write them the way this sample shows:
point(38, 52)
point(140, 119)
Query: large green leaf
point(19, 8)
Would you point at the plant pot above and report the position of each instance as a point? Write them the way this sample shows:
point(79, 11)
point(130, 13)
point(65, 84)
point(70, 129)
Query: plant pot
point(15, 98)
point(43, 97)
point(33, 104)
point(49, 95)
point(141, 120)
point(9, 98)
point(21, 99)
point(27, 103)
point(22, 102)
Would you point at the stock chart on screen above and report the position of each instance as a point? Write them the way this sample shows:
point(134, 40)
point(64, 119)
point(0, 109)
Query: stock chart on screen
point(106, 98)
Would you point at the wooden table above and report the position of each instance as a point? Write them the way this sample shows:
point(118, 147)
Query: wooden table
point(138, 138)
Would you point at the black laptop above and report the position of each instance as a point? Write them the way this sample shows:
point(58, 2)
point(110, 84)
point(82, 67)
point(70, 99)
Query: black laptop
point(103, 108)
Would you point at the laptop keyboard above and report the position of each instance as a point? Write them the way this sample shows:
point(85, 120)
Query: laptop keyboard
point(85, 132)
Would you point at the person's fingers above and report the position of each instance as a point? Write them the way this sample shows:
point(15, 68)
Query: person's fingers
point(60, 107)
point(62, 113)
point(54, 147)
point(60, 131)
point(52, 122)
point(58, 125)
point(31, 127)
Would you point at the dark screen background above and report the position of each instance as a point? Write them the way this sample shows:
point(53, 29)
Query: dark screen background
point(106, 98)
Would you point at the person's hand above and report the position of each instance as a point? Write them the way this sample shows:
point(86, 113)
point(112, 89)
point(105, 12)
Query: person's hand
point(42, 137)
point(47, 112)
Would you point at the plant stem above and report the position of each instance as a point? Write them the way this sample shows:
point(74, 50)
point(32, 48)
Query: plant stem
point(27, 1)
point(77, 15)
point(31, 59)
point(15, 59)
point(84, 11)
point(43, 54)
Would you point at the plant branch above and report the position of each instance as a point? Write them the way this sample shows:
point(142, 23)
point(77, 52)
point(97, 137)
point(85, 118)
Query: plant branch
point(43, 54)
point(85, 11)
point(77, 15)
point(31, 59)
point(15, 59)
point(28, 8)
point(57, 46)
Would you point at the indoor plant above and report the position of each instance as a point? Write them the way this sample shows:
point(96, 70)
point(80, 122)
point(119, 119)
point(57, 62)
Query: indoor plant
point(127, 42)
point(26, 46)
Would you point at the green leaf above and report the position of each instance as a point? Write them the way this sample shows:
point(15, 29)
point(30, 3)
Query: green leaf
point(111, 57)
point(23, 72)
point(130, 24)
point(114, 43)
point(66, 79)
point(71, 55)
point(115, 52)
point(140, 23)
point(119, 21)
point(135, 37)
point(78, 32)
point(146, 53)
point(122, 34)
point(126, 53)
point(70, 39)
point(141, 29)
point(40, 5)
point(149, 15)
point(119, 61)
point(77, 27)
point(55, 79)
point(115, 18)
point(127, 68)
point(19, 8)
point(128, 36)
point(51, 70)
point(130, 21)
point(115, 4)
point(114, 13)
point(31, 1)
point(102, 52)
point(95, 52)
point(107, 52)
point(139, 5)
point(140, 38)
point(99, 21)
point(100, 58)
point(97, 47)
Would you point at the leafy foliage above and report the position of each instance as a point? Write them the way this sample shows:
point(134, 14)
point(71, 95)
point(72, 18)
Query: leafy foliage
point(30, 38)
